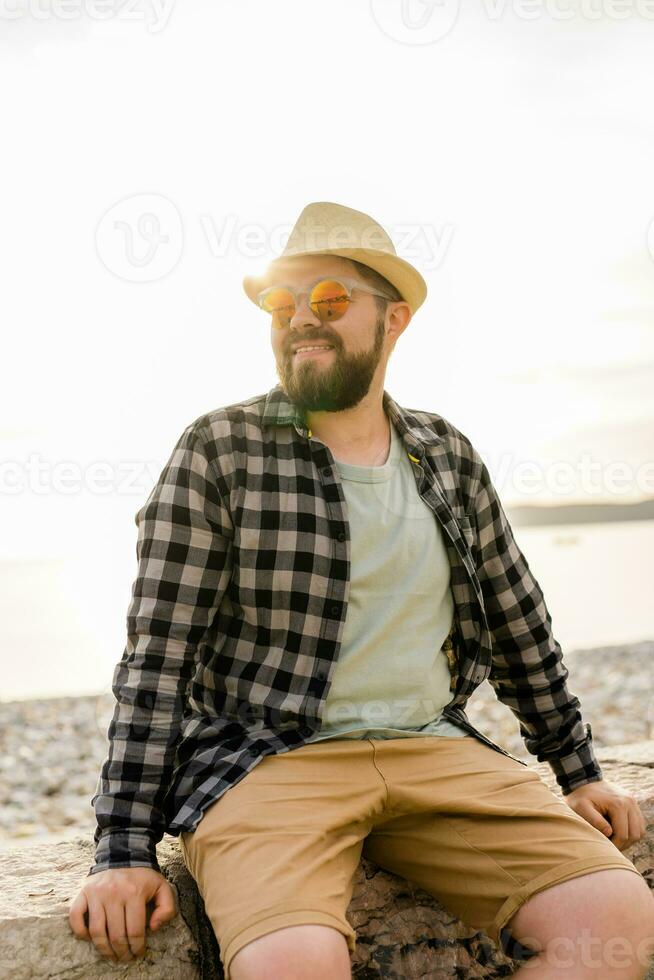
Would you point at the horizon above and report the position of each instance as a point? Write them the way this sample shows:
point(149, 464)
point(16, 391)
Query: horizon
point(515, 174)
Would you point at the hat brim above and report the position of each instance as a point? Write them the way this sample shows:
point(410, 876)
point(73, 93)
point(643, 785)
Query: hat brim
point(406, 279)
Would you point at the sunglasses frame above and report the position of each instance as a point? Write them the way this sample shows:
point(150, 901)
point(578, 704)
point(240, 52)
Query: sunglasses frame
point(349, 284)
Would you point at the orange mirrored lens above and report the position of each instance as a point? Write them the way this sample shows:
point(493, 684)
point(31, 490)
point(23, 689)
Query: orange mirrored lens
point(281, 304)
point(329, 299)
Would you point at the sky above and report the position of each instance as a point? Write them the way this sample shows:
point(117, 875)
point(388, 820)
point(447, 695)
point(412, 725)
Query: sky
point(156, 153)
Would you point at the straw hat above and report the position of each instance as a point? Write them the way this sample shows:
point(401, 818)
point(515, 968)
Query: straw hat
point(324, 228)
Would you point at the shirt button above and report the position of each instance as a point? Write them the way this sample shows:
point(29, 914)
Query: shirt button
point(326, 470)
point(335, 610)
point(341, 535)
point(253, 750)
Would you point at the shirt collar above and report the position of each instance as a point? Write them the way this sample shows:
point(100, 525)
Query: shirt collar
point(280, 410)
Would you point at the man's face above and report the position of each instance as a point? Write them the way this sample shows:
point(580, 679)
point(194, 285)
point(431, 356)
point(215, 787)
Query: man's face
point(337, 379)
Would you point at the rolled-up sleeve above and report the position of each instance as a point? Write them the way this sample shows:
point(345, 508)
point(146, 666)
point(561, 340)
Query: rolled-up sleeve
point(184, 566)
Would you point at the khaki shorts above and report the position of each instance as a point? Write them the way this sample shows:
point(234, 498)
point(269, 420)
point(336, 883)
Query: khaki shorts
point(471, 826)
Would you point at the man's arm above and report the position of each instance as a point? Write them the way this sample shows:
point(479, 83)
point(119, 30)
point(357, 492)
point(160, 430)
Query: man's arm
point(527, 670)
point(183, 553)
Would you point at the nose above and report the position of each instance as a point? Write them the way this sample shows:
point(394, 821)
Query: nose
point(304, 315)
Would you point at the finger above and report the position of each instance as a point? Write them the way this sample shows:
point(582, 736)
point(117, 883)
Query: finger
point(634, 820)
point(117, 930)
point(164, 906)
point(98, 929)
point(620, 822)
point(135, 923)
point(76, 916)
point(586, 810)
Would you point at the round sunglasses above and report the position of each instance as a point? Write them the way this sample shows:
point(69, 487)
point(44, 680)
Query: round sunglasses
point(328, 298)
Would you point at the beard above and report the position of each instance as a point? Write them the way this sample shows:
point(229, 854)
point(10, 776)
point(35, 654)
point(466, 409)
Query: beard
point(343, 384)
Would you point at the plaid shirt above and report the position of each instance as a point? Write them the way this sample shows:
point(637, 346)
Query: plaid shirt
point(238, 611)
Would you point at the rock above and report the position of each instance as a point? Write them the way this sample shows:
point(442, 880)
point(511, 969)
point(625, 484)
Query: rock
point(404, 932)
point(57, 746)
point(638, 753)
point(401, 931)
point(37, 885)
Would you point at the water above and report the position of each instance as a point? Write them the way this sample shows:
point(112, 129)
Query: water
point(598, 580)
point(62, 621)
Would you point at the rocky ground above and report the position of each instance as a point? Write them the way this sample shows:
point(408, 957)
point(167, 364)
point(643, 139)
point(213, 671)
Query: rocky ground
point(51, 750)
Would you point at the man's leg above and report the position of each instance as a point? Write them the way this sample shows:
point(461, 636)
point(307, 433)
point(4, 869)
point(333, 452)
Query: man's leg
point(599, 926)
point(487, 837)
point(304, 952)
point(275, 858)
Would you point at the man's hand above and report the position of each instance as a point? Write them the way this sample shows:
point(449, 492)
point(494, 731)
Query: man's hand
point(612, 811)
point(116, 901)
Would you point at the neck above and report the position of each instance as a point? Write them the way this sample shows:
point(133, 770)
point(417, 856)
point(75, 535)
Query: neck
point(363, 427)
point(363, 451)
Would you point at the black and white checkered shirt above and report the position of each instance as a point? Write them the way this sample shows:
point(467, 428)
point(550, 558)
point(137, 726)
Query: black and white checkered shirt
point(239, 605)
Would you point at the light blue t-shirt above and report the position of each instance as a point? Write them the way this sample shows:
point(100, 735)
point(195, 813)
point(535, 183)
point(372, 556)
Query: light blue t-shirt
point(392, 678)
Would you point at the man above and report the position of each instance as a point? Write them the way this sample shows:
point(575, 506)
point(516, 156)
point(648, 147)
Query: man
point(324, 579)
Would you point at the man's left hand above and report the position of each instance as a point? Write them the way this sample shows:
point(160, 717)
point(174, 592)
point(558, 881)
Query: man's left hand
point(615, 813)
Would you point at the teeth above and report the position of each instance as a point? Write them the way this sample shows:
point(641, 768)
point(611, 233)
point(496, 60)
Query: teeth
point(300, 349)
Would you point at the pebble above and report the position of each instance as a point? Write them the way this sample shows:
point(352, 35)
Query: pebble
point(51, 750)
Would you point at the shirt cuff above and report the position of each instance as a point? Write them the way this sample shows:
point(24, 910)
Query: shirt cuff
point(578, 767)
point(125, 849)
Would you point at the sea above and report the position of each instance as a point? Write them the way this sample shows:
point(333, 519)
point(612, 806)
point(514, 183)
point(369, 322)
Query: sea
point(63, 619)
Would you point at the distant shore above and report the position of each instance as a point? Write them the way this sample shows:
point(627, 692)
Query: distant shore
point(544, 515)
point(52, 749)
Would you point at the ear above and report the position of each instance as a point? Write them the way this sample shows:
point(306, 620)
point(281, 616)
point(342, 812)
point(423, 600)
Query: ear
point(399, 316)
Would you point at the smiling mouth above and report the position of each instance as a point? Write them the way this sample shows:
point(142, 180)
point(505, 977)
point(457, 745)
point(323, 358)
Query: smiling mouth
point(311, 353)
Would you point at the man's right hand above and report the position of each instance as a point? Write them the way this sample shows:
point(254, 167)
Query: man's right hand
point(111, 907)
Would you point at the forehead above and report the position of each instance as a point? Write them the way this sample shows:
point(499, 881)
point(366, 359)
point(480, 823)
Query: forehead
point(304, 268)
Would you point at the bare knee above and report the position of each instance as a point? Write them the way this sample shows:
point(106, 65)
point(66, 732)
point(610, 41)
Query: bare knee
point(602, 919)
point(304, 952)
